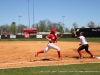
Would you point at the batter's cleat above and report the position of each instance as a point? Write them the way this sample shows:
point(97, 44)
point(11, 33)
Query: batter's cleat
point(36, 54)
point(92, 56)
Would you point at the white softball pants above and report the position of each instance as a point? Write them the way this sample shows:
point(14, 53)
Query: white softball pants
point(51, 45)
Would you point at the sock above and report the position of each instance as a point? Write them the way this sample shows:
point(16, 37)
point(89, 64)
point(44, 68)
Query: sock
point(80, 54)
point(41, 51)
point(59, 54)
point(90, 53)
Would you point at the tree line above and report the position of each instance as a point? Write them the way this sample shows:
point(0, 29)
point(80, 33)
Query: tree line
point(43, 26)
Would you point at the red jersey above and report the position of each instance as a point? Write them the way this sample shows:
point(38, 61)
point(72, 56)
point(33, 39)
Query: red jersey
point(52, 37)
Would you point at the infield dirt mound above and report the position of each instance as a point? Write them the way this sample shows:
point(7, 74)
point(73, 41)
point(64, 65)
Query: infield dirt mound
point(21, 54)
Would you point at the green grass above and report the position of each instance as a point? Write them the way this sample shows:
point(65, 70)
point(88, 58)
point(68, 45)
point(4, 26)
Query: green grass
point(62, 39)
point(75, 69)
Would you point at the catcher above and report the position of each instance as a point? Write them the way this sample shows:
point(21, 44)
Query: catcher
point(83, 45)
point(52, 38)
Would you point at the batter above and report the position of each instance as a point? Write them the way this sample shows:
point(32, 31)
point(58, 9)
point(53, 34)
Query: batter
point(52, 38)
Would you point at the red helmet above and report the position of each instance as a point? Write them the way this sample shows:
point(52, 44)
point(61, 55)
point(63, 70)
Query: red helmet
point(53, 30)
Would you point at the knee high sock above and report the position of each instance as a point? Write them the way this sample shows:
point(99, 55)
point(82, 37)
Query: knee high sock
point(59, 54)
point(41, 51)
point(80, 54)
point(90, 53)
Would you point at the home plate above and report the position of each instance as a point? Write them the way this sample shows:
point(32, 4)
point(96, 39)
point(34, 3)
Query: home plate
point(98, 57)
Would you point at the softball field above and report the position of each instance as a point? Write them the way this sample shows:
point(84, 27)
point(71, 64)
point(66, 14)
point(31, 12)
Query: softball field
point(21, 54)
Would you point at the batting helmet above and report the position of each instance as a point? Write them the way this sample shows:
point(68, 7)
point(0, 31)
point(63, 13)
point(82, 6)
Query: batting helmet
point(53, 30)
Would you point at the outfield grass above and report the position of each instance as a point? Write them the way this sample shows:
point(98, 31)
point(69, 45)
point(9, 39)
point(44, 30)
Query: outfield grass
point(75, 69)
point(62, 39)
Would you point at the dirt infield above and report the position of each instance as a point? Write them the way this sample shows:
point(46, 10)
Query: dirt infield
point(21, 54)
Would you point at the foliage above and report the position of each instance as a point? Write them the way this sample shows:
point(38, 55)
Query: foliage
point(83, 27)
point(3, 28)
point(61, 29)
point(98, 26)
point(92, 24)
point(72, 29)
point(20, 27)
point(46, 25)
point(67, 30)
point(43, 26)
point(75, 25)
point(12, 28)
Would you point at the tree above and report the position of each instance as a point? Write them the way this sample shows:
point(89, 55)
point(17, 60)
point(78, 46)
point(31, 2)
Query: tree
point(47, 25)
point(33, 26)
point(12, 28)
point(91, 24)
point(72, 29)
point(61, 29)
point(66, 30)
point(3, 28)
point(98, 26)
point(20, 28)
point(42, 26)
point(83, 27)
point(75, 25)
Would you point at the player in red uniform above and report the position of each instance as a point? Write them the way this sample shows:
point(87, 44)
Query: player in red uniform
point(52, 38)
